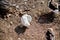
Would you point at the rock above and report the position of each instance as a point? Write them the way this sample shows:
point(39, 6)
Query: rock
point(42, 2)
point(17, 6)
point(11, 38)
point(8, 15)
point(13, 4)
point(23, 39)
point(26, 19)
point(19, 38)
point(33, 6)
point(11, 23)
point(25, 0)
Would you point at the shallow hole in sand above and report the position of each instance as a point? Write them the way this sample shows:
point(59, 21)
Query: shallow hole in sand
point(46, 18)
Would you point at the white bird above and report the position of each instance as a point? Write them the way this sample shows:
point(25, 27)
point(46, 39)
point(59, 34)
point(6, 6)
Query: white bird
point(26, 19)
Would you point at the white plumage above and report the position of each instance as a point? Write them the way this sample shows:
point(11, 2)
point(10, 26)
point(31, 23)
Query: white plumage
point(26, 19)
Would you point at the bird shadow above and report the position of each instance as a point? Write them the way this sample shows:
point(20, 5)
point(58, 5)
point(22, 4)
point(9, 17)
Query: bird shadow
point(20, 30)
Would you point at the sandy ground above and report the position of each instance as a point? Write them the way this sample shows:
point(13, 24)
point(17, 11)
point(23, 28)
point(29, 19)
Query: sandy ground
point(10, 24)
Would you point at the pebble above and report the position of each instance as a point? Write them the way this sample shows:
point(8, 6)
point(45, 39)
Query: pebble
point(11, 38)
point(25, 0)
point(42, 2)
point(21, 11)
point(8, 26)
point(32, 34)
point(14, 4)
point(23, 39)
point(19, 38)
point(11, 22)
point(8, 15)
point(33, 6)
point(17, 6)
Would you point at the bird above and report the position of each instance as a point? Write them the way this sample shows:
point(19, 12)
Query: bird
point(51, 6)
point(26, 19)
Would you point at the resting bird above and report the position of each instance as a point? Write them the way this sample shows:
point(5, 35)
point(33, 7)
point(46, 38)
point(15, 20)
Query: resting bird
point(50, 34)
point(51, 6)
point(26, 19)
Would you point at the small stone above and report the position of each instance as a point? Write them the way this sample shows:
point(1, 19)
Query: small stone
point(21, 11)
point(17, 6)
point(11, 22)
point(32, 34)
point(14, 4)
point(8, 26)
point(19, 38)
point(8, 15)
point(25, 0)
point(23, 39)
point(42, 2)
point(11, 38)
point(33, 6)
